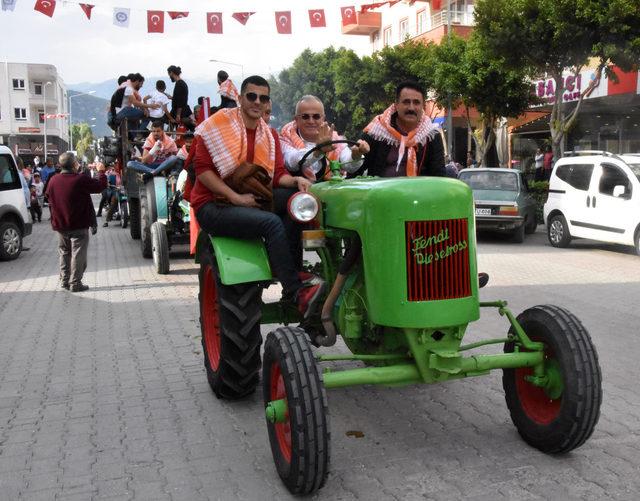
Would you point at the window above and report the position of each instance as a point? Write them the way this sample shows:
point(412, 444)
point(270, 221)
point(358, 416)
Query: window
point(490, 180)
point(37, 88)
point(20, 113)
point(41, 116)
point(404, 29)
point(9, 179)
point(421, 21)
point(386, 36)
point(613, 176)
point(578, 176)
point(18, 84)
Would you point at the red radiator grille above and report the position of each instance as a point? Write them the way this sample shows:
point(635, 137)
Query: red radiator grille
point(437, 259)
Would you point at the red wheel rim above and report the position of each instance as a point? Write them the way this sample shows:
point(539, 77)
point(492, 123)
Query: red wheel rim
point(283, 430)
point(211, 319)
point(536, 404)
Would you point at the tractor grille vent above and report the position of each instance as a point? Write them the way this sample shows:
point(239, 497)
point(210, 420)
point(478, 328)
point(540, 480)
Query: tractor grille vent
point(437, 259)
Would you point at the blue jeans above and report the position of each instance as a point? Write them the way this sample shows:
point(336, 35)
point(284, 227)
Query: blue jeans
point(155, 168)
point(245, 222)
point(130, 113)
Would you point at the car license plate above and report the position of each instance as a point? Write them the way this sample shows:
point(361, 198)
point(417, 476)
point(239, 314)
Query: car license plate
point(483, 212)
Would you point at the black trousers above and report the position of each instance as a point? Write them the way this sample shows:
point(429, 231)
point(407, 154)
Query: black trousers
point(292, 228)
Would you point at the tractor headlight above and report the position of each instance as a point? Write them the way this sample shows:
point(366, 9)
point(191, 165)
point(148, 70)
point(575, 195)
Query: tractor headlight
point(303, 207)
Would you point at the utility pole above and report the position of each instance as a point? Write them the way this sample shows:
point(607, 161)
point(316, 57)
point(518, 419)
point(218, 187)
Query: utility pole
point(449, 111)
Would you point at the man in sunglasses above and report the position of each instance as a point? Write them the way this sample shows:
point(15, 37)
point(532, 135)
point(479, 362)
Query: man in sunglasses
point(308, 129)
point(227, 141)
point(403, 140)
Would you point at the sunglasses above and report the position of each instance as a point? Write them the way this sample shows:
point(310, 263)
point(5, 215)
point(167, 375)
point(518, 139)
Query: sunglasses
point(308, 116)
point(252, 96)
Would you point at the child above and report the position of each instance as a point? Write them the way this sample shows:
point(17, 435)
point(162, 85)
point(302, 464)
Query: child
point(36, 208)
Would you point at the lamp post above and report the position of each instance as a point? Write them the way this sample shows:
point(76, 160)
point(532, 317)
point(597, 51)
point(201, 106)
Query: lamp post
point(229, 62)
point(44, 117)
point(70, 122)
point(449, 111)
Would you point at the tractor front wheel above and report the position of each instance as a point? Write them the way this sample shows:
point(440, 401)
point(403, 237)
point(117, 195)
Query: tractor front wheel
point(230, 325)
point(562, 415)
point(297, 410)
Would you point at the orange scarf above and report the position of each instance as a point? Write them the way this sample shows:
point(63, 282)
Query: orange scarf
point(227, 89)
point(381, 129)
point(290, 137)
point(225, 136)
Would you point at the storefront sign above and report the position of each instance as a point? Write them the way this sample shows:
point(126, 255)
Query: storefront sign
point(574, 86)
point(29, 130)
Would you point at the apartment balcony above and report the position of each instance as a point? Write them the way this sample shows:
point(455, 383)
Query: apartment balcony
point(366, 24)
point(461, 25)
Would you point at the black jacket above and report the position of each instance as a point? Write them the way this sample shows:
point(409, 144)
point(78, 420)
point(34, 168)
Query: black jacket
point(430, 163)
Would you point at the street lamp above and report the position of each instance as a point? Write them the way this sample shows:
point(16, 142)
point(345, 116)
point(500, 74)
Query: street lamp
point(44, 116)
point(70, 123)
point(229, 62)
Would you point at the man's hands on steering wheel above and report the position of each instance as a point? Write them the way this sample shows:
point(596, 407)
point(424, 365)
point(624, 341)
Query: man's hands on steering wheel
point(359, 150)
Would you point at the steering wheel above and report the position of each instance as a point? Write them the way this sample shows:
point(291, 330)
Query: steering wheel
point(319, 146)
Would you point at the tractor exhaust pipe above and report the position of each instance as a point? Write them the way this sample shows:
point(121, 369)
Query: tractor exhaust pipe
point(331, 334)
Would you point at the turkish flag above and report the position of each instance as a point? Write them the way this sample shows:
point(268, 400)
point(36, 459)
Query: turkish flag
point(348, 15)
point(45, 6)
point(177, 15)
point(155, 21)
point(283, 22)
point(242, 17)
point(316, 18)
point(214, 22)
point(86, 8)
point(436, 4)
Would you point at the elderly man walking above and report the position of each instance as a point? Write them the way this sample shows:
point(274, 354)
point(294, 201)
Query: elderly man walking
point(72, 214)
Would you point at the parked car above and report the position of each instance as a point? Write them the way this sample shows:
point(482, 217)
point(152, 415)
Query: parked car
point(595, 195)
point(15, 221)
point(502, 201)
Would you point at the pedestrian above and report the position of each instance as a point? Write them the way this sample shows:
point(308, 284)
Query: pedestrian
point(547, 164)
point(450, 167)
point(35, 209)
point(539, 162)
point(471, 160)
point(39, 185)
point(69, 196)
point(180, 110)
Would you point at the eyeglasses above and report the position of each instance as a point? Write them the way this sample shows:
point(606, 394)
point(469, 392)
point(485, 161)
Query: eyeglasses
point(252, 96)
point(309, 116)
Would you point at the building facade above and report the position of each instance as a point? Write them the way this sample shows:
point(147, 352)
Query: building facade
point(29, 93)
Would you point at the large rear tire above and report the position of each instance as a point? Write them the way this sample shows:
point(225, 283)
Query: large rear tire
point(230, 325)
point(160, 248)
point(134, 215)
point(561, 419)
point(300, 444)
point(145, 227)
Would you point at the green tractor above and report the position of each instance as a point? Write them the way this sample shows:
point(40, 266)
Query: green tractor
point(401, 306)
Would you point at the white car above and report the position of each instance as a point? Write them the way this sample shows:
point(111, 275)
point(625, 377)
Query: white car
point(15, 221)
point(595, 195)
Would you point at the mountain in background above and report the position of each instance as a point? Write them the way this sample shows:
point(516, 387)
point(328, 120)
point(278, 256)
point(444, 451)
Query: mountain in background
point(84, 108)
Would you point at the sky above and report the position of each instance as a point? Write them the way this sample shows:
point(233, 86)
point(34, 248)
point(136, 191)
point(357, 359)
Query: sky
point(95, 50)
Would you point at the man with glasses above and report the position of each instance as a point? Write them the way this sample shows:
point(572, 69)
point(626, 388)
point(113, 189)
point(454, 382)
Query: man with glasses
point(308, 129)
point(227, 142)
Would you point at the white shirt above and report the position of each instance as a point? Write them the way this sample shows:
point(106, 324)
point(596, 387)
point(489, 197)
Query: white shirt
point(292, 156)
point(126, 99)
point(157, 97)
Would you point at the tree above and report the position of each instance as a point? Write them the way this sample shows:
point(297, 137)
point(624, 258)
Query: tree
point(549, 36)
point(82, 136)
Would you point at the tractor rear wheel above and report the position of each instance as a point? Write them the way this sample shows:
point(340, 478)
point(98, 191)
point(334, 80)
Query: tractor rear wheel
point(562, 416)
point(160, 247)
point(300, 441)
point(230, 325)
point(145, 227)
point(134, 218)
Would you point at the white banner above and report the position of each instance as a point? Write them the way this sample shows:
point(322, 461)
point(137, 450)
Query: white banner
point(8, 4)
point(121, 17)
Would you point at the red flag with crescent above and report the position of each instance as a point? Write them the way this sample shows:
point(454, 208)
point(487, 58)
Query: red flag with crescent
point(155, 21)
point(317, 19)
point(86, 8)
point(45, 6)
point(283, 22)
point(242, 17)
point(348, 15)
point(177, 15)
point(214, 22)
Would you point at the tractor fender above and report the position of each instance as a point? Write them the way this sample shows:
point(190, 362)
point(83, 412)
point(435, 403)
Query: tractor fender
point(239, 261)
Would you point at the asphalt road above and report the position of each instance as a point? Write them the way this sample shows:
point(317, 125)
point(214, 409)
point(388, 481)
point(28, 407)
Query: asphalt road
point(103, 393)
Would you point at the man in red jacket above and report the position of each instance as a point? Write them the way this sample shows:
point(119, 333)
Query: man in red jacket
point(69, 195)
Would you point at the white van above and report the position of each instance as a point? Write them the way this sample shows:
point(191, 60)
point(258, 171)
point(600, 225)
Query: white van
point(596, 195)
point(15, 221)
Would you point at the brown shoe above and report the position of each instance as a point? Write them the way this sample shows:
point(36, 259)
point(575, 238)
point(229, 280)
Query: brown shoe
point(79, 288)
